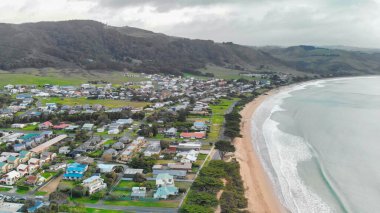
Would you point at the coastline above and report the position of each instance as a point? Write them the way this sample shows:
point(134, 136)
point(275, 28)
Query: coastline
point(259, 190)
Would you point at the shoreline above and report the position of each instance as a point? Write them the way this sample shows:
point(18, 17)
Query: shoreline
point(259, 190)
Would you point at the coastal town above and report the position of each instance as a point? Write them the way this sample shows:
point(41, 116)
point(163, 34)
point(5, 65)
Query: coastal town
point(131, 146)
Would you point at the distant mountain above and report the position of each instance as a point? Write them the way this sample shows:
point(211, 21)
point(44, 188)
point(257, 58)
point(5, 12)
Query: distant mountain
point(326, 61)
point(92, 45)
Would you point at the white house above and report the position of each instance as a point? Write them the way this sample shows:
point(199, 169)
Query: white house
point(11, 177)
point(94, 184)
point(164, 180)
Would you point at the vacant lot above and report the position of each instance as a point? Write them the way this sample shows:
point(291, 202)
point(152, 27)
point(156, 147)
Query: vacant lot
point(81, 101)
point(40, 77)
point(217, 117)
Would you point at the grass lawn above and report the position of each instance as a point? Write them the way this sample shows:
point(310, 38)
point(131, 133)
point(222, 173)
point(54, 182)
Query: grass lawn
point(161, 204)
point(217, 117)
point(84, 200)
point(127, 184)
point(202, 157)
point(91, 210)
point(4, 189)
point(165, 161)
point(30, 128)
point(225, 73)
point(48, 175)
point(82, 100)
point(96, 153)
point(40, 193)
point(181, 184)
point(31, 76)
point(110, 142)
point(22, 191)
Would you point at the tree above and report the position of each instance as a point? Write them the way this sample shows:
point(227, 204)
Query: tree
point(209, 184)
point(195, 209)
point(139, 178)
point(164, 144)
point(202, 199)
point(224, 147)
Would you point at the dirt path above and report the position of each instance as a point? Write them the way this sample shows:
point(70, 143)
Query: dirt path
point(52, 186)
point(218, 195)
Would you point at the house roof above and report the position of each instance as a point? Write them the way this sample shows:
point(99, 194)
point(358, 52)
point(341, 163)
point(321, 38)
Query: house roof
point(91, 179)
point(165, 191)
point(193, 134)
point(76, 167)
point(164, 176)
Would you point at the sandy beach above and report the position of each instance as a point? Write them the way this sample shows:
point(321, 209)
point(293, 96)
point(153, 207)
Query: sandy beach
point(259, 190)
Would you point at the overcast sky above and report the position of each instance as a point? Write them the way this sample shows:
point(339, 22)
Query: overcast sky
point(250, 22)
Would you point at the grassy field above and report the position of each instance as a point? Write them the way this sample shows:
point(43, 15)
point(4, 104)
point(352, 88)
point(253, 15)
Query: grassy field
point(220, 72)
point(110, 142)
point(127, 184)
point(160, 204)
point(40, 193)
point(40, 77)
point(48, 175)
point(4, 189)
point(82, 101)
point(91, 210)
point(84, 200)
point(217, 117)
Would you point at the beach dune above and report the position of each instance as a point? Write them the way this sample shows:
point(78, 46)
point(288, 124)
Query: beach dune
point(259, 189)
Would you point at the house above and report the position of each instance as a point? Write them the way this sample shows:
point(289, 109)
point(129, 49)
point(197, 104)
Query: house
point(47, 157)
point(25, 156)
point(109, 154)
point(125, 121)
point(75, 171)
point(165, 192)
point(19, 146)
point(118, 146)
point(88, 126)
point(61, 126)
point(18, 126)
point(23, 169)
point(4, 167)
point(31, 180)
point(11, 177)
point(45, 125)
point(84, 160)
point(94, 184)
point(113, 131)
point(64, 150)
point(164, 179)
point(171, 132)
point(138, 192)
point(178, 174)
point(13, 161)
point(180, 166)
point(34, 162)
point(154, 148)
point(193, 135)
point(129, 172)
point(37, 204)
point(58, 166)
point(189, 146)
point(200, 126)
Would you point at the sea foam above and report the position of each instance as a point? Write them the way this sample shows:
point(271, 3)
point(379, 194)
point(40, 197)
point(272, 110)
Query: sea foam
point(285, 151)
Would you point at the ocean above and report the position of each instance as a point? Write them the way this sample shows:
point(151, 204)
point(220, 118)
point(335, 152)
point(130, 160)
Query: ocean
point(320, 145)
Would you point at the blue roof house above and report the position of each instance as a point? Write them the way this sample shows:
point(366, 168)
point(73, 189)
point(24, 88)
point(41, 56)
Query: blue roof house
point(75, 171)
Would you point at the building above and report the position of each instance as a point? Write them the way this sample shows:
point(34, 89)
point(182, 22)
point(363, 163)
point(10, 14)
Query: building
point(179, 174)
point(94, 184)
point(23, 169)
point(165, 192)
point(164, 179)
point(138, 192)
point(189, 146)
point(75, 171)
point(64, 150)
point(180, 166)
point(200, 126)
point(88, 127)
point(11, 177)
point(129, 173)
point(154, 148)
point(193, 135)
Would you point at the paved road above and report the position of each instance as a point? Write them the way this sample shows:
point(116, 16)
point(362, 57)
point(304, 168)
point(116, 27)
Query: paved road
point(133, 209)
